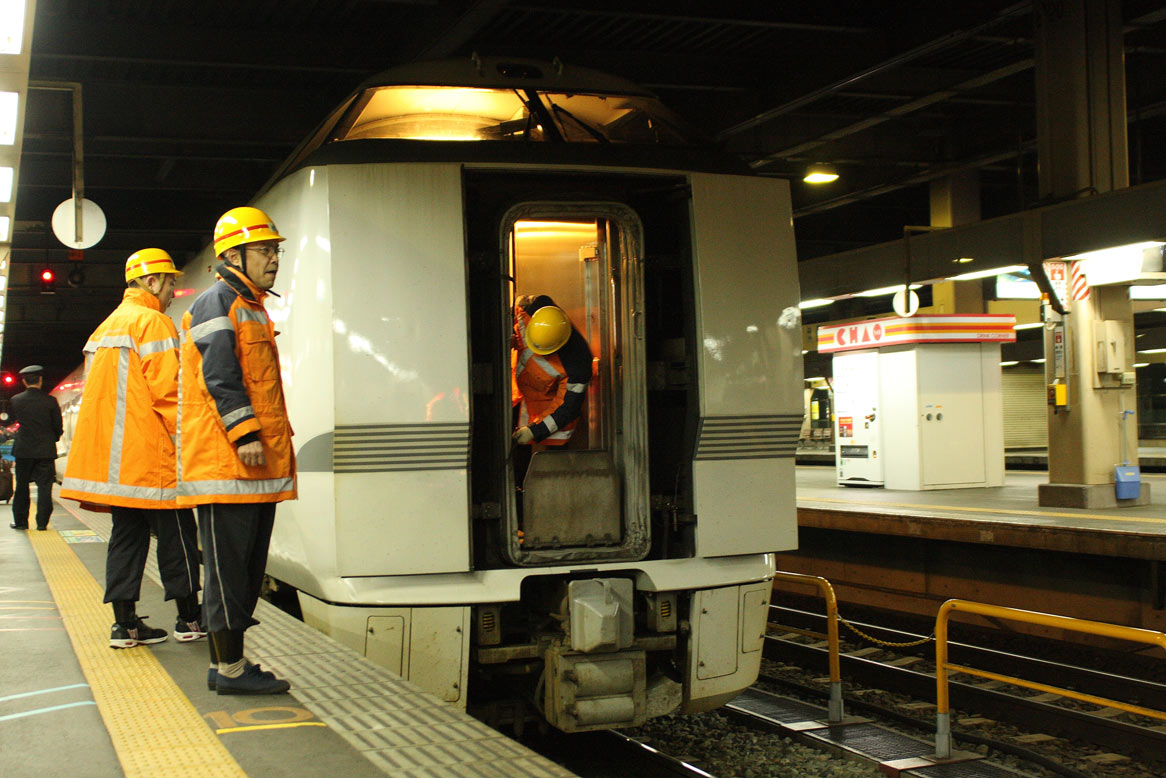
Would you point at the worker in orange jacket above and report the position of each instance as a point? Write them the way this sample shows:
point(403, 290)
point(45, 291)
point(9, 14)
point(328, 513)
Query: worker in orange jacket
point(122, 452)
point(552, 368)
point(234, 440)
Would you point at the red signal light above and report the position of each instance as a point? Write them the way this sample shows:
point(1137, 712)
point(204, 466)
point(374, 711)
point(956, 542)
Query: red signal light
point(9, 379)
point(47, 275)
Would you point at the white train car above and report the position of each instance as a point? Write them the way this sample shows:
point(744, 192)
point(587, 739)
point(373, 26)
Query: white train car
point(630, 574)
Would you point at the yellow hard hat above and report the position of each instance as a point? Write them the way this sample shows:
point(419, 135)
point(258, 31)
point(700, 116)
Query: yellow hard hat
point(149, 261)
point(548, 330)
point(243, 225)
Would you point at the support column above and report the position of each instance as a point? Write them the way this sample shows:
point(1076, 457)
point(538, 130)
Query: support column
point(1081, 125)
point(955, 200)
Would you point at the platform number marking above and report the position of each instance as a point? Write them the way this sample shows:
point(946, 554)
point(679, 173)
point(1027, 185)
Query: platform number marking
point(278, 717)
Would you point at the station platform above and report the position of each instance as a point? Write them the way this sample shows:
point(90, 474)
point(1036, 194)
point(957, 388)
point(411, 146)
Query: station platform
point(71, 705)
point(1007, 515)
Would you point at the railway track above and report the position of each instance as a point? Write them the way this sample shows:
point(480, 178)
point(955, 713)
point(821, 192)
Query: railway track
point(612, 754)
point(909, 671)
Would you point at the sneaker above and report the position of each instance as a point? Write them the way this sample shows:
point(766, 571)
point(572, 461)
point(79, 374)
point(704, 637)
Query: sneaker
point(186, 631)
point(252, 681)
point(135, 634)
point(212, 674)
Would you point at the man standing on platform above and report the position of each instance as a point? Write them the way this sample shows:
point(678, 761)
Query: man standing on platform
point(122, 453)
point(235, 453)
point(35, 448)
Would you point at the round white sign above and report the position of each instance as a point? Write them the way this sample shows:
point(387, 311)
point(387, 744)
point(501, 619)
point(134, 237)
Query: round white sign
point(92, 224)
point(902, 306)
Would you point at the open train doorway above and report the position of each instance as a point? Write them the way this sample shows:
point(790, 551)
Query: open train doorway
point(580, 494)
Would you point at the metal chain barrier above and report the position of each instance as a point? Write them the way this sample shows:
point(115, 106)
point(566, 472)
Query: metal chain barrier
point(887, 643)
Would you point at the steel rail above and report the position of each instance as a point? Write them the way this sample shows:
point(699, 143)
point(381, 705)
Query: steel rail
point(1064, 722)
point(1149, 693)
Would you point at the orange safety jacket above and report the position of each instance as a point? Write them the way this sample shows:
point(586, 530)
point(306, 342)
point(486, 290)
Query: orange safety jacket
point(122, 451)
point(551, 392)
point(230, 389)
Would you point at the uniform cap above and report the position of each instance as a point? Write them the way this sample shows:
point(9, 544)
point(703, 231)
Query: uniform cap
point(32, 370)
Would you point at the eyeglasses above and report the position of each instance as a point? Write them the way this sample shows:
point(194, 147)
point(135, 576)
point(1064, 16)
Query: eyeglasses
point(267, 251)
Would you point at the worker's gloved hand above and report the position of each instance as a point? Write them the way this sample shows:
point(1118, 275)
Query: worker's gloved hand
point(523, 436)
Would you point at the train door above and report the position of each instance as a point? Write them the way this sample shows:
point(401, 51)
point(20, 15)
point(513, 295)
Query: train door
point(585, 498)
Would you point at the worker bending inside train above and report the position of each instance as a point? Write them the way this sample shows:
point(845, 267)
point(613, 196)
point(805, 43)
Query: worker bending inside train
point(552, 367)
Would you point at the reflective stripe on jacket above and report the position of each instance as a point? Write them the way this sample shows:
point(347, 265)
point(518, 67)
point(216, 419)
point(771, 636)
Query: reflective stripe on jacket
point(231, 387)
point(552, 393)
point(122, 451)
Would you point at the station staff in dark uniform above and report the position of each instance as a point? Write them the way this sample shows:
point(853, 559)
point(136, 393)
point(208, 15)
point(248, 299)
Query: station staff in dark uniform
point(35, 448)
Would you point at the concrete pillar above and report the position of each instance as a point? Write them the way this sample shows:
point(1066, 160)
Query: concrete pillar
point(1081, 126)
point(955, 200)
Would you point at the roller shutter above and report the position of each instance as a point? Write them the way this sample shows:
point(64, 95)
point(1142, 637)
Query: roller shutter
point(1026, 423)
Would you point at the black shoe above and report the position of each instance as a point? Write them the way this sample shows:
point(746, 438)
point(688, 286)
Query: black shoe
point(252, 681)
point(42, 529)
point(14, 525)
point(186, 631)
point(135, 634)
point(212, 675)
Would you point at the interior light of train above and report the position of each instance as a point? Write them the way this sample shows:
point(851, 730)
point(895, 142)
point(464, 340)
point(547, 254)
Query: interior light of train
point(1141, 364)
point(814, 303)
point(11, 26)
point(963, 260)
point(1037, 361)
point(1010, 363)
point(986, 273)
point(1152, 351)
point(1032, 325)
point(6, 175)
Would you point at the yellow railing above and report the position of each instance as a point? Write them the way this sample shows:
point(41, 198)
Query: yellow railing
point(835, 706)
point(942, 666)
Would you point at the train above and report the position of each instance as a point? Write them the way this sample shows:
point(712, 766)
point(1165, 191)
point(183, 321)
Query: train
point(628, 574)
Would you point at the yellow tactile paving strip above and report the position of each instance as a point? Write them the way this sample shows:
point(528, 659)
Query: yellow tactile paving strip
point(154, 727)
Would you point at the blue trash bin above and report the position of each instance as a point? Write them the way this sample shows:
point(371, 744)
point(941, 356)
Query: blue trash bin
point(1127, 482)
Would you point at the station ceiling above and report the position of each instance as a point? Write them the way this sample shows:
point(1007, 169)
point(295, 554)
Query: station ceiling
point(189, 107)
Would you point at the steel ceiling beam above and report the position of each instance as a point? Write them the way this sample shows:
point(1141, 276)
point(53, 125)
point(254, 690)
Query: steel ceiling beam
point(930, 47)
point(898, 111)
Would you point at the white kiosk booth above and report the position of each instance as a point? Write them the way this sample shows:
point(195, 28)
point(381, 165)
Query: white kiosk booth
point(918, 401)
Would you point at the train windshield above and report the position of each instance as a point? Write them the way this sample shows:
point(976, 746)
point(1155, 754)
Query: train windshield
point(474, 114)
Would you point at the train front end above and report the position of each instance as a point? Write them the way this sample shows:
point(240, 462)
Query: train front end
point(627, 573)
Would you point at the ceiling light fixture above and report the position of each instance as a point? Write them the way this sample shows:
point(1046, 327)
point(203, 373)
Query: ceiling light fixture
point(986, 273)
point(820, 173)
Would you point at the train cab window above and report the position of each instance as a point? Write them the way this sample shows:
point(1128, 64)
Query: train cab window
point(447, 113)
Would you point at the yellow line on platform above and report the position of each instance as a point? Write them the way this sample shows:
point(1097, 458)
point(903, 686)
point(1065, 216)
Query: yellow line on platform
point(998, 511)
point(254, 727)
point(154, 727)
